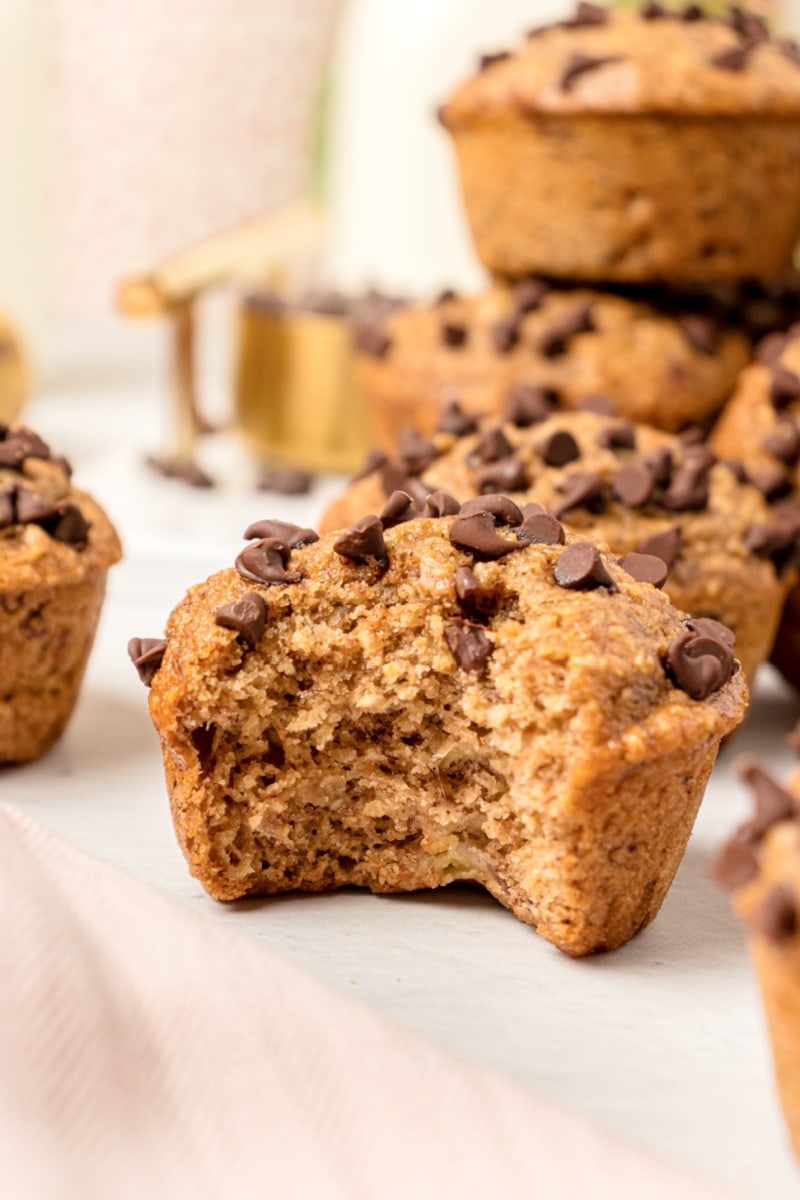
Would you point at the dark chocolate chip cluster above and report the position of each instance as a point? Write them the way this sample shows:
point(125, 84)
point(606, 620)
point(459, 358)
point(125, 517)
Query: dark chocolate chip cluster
point(20, 504)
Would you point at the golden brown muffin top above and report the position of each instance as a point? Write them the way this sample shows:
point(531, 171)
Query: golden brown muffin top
point(653, 59)
point(498, 598)
point(50, 532)
point(577, 341)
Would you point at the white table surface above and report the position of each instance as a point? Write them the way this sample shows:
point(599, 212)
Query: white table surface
point(663, 1040)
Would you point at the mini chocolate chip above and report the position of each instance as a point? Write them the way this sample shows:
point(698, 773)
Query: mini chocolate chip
point(397, 509)
point(488, 60)
point(580, 568)
point(776, 918)
point(688, 491)
point(634, 485)
point(395, 477)
point(784, 387)
point(441, 504)
point(736, 864)
point(247, 617)
point(692, 12)
point(528, 294)
point(415, 451)
point(469, 645)
point(660, 460)
point(476, 602)
point(790, 50)
point(747, 24)
point(503, 509)
point(698, 454)
point(446, 295)
point(542, 529)
point(33, 509)
point(583, 489)
point(784, 443)
point(692, 435)
point(293, 535)
point(578, 65)
point(702, 333)
point(375, 458)
point(184, 470)
point(709, 627)
point(22, 443)
point(286, 481)
point(454, 334)
point(699, 665)
point(455, 421)
point(777, 541)
point(363, 542)
point(652, 11)
point(492, 446)
point(507, 475)
point(773, 803)
point(531, 509)
point(556, 339)
point(477, 534)
point(505, 335)
point(372, 341)
point(418, 491)
point(617, 437)
point(588, 14)
point(70, 526)
point(772, 481)
point(734, 59)
point(529, 404)
point(645, 568)
point(265, 562)
point(559, 448)
point(665, 545)
point(146, 654)
point(602, 405)
point(788, 513)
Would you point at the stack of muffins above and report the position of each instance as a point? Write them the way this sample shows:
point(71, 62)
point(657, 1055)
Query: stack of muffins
point(615, 170)
point(632, 182)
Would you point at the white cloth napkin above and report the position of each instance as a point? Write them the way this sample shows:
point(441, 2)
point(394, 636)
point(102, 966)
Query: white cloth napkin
point(146, 1052)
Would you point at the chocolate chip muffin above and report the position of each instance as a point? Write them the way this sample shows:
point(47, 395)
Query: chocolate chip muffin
point(465, 696)
point(760, 865)
point(653, 358)
point(634, 145)
point(628, 487)
point(56, 545)
point(760, 425)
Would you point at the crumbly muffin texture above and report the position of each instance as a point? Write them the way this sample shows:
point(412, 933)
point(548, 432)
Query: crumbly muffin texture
point(628, 487)
point(56, 545)
point(400, 706)
point(634, 145)
point(653, 361)
point(760, 425)
point(760, 865)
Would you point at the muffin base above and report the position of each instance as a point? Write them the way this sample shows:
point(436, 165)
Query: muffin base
point(632, 198)
point(47, 634)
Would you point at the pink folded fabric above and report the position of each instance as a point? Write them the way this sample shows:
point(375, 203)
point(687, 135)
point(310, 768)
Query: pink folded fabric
point(146, 1052)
